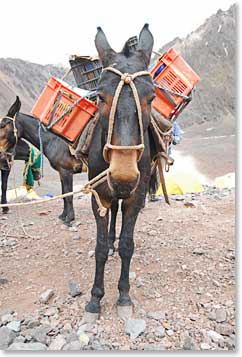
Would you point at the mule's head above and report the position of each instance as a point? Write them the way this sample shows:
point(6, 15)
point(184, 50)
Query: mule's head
point(8, 137)
point(125, 94)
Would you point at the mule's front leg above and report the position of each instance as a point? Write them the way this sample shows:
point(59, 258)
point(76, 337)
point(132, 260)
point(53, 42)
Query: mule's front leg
point(101, 255)
point(130, 211)
point(4, 178)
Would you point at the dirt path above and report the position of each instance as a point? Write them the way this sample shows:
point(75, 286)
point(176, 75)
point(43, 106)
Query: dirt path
point(182, 269)
point(183, 265)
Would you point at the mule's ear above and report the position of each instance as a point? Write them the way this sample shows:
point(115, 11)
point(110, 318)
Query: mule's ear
point(106, 53)
point(146, 42)
point(15, 108)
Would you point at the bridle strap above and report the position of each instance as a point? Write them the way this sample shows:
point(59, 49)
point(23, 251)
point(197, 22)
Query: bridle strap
point(15, 131)
point(125, 78)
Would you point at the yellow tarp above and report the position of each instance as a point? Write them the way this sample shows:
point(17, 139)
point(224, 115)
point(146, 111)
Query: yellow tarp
point(180, 183)
point(21, 192)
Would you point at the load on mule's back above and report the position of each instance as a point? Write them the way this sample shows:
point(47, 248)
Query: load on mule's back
point(121, 143)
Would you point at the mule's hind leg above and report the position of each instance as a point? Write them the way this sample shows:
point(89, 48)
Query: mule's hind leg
point(68, 214)
point(4, 186)
point(62, 216)
point(101, 255)
point(68, 187)
point(112, 228)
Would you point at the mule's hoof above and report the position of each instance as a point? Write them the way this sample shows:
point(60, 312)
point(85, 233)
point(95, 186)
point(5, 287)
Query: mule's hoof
point(69, 220)
point(89, 318)
point(5, 210)
point(124, 301)
point(125, 312)
point(62, 217)
point(67, 223)
point(93, 307)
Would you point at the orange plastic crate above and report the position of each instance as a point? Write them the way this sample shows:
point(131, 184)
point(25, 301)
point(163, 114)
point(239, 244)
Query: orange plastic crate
point(172, 73)
point(72, 124)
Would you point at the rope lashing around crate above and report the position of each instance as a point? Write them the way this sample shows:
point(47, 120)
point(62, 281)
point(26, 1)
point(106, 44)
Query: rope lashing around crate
point(187, 98)
point(51, 124)
point(55, 106)
point(67, 110)
point(161, 137)
point(125, 78)
point(157, 162)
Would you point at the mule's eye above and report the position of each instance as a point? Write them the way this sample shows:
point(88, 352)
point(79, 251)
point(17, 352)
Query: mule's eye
point(2, 125)
point(151, 98)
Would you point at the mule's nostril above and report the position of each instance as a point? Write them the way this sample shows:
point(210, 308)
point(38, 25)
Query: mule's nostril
point(121, 189)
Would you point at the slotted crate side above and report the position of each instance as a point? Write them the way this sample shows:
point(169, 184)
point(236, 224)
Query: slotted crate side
point(86, 70)
point(72, 124)
point(172, 73)
point(133, 42)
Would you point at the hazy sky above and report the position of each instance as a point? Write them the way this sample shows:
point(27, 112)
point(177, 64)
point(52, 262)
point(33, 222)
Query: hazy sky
point(48, 31)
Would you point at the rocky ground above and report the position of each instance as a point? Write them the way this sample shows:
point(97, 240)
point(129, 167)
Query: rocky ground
point(183, 270)
point(182, 278)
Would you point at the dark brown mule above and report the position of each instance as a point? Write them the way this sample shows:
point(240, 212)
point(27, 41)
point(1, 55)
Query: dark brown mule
point(54, 148)
point(121, 142)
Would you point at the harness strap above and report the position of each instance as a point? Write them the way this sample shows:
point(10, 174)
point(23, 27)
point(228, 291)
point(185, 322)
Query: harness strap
point(15, 132)
point(125, 78)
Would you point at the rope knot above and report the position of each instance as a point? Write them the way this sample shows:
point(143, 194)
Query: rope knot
point(126, 78)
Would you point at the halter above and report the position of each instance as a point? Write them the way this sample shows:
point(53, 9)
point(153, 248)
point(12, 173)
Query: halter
point(126, 78)
point(15, 131)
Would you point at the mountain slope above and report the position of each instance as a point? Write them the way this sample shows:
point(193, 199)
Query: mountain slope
point(211, 52)
point(25, 79)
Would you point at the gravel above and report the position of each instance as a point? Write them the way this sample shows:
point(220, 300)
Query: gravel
point(135, 328)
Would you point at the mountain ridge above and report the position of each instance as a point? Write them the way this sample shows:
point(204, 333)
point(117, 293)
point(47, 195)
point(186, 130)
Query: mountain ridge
point(210, 50)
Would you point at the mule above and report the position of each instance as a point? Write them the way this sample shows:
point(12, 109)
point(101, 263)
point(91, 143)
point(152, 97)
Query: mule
point(21, 153)
point(121, 143)
point(54, 148)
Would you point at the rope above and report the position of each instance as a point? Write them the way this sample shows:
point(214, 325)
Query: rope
point(88, 188)
point(172, 92)
point(66, 74)
point(162, 178)
point(125, 78)
point(69, 109)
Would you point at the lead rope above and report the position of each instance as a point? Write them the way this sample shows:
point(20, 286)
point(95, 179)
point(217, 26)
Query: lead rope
point(88, 188)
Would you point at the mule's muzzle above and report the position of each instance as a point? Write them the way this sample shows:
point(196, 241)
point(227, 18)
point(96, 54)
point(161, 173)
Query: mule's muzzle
point(122, 189)
point(123, 174)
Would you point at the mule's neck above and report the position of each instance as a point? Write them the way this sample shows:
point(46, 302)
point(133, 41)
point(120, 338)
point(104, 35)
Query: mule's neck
point(22, 151)
point(28, 128)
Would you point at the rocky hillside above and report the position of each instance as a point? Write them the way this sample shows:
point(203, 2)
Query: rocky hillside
point(210, 50)
point(25, 79)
